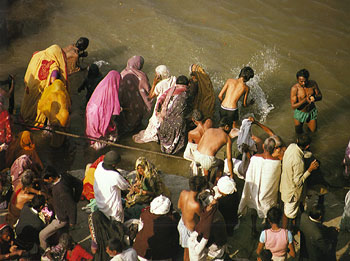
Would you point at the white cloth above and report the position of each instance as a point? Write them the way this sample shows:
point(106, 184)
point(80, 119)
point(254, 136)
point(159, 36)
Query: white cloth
point(245, 136)
point(150, 133)
point(261, 185)
point(190, 149)
point(160, 205)
point(345, 219)
point(107, 187)
point(197, 250)
point(127, 255)
point(236, 164)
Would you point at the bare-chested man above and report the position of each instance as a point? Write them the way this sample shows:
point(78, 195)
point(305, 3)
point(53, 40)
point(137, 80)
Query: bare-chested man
point(234, 89)
point(212, 140)
point(303, 96)
point(196, 134)
point(190, 209)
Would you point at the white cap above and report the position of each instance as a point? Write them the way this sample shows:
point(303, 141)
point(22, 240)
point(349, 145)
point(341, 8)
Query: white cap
point(160, 205)
point(226, 185)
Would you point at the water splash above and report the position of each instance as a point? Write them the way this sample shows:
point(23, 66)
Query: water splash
point(264, 63)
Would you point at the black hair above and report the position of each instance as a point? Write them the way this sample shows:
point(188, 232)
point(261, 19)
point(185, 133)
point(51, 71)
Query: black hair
point(274, 215)
point(303, 140)
point(27, 178)
point(37, 202)
point(82, 43)
point(198, 183)
point(182, 79)
point(197, 115)
point(269, 145)
point(114, 244)
point(247, 73)
point(316, 212)
point(49, 172)
point(66, 241)
point(266, 255)
point(303, 73)
point(225, 121)
point(93, 70)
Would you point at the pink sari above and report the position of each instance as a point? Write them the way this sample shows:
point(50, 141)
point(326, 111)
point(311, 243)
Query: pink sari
point(104, 103)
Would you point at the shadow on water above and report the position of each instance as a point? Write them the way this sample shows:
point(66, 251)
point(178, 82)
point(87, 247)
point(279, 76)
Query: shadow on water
point(19, 18)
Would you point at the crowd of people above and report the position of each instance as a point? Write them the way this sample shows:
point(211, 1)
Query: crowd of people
point(132, 216)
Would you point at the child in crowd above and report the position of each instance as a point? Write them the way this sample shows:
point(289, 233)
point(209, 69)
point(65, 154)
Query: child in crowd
point(115, 250)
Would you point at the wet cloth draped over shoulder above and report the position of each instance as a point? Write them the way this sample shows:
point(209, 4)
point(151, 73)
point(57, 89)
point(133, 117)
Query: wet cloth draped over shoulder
point(205, 99)
point(261, 185)
point(103, 103)
point(38, 75)
point(172, 129)
point(23, 145)
point(150, 181)
point(150, 133)
point(133, 92)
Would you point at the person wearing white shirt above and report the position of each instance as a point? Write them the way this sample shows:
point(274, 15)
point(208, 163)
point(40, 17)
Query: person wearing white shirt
point(115, 250)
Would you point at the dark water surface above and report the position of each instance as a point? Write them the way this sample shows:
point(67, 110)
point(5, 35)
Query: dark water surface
point(275, 38)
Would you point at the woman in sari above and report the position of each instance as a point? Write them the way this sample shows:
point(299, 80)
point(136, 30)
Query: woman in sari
point(44, 67)
point(133, 94)
point(172, 107)
point(23, 145)
point(162, 82)
point(147, 184)
point(205, 99)
point(103, 103)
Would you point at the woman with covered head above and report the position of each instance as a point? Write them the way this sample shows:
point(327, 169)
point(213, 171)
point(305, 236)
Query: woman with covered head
point(133, 93)
point(23, 145)
point(44, 67)
point(103, 104)
point(147, 184)
point(5, 131)
point(161, 83)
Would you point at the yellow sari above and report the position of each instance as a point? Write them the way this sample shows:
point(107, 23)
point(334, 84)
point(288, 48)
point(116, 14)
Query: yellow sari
point(205, 99)
point(38, 75)
point(54, 105)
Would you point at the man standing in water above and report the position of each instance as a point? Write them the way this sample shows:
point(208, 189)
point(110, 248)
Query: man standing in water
point(235, 89)
point(190, 209)
point(303, 96)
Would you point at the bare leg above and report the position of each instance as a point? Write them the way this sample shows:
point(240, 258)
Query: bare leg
point(312, 125)
point(298, 126)
point(186, 255)
point(285, 221)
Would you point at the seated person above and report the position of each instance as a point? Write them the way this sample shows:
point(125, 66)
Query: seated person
point(89, 179)
point(116, 250)
point(7, 249)
point(29, 225)
point(66, 250)
point(23, 194)
point(19, 166)
point(158, 238)
point(147, 184)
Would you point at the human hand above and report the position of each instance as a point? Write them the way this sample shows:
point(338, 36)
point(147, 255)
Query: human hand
point(251, 119)
point(313, 166)
point(312, 98)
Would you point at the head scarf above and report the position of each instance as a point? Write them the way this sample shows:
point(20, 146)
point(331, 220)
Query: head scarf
point(226, 185)
point(147, 166)
point(160, 205)
point(163, 71)
point(26, 141)
point(134, 67)
point(104, 103)
point(21, 163)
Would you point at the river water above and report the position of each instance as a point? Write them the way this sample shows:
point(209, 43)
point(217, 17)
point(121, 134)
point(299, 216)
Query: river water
point(275, 38)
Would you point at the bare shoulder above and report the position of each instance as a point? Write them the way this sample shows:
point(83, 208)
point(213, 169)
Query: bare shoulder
point(294, 88)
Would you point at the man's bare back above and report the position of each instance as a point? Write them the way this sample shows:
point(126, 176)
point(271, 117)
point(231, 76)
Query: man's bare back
point(190, 208)
point(233, 90)
point(212, 140)
point(196, 134)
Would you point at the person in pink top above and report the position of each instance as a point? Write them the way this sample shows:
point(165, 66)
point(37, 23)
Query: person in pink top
point(104, 103)
point(277, 240)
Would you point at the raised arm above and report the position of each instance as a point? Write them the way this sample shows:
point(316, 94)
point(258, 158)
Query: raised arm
point(245, 97)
